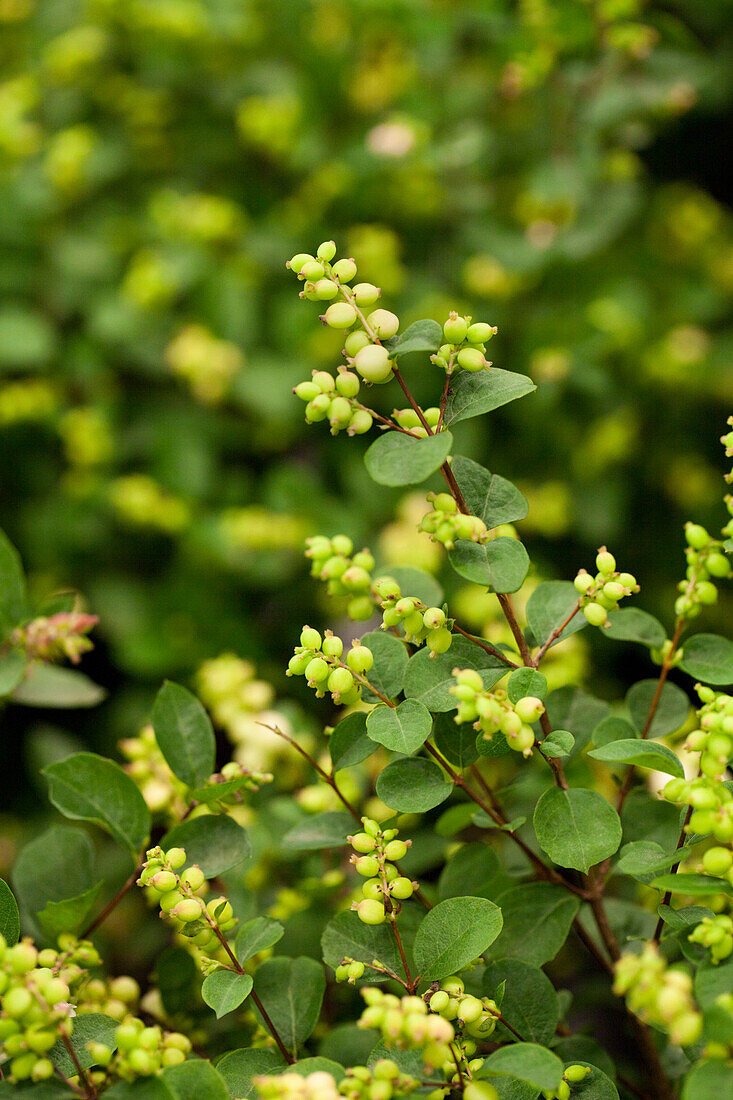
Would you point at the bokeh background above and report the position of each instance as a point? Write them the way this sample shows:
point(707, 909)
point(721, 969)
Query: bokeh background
point(555, 167)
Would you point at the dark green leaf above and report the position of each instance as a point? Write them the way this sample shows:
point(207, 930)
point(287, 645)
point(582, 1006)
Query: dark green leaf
point(428, 679)
point(255, 936)
point(144, 1088)
point(613, 729)
point(528, 1062)
point(390, 663)
point(195, 1079)
point(349, 743)
point(645, 857)
point(549, 606)
point(708, 1081)
point(526, 681)
point(397, 459)
point(416, 582)
point(12, 587)
point(537, 919)
point(642, 754)
point(453, 934)
point(239, 1067)
point(345, 936)
point(176, 973)
point(9, 918)
point(631, 624)
point(215, 842)
point(496, 745)
point(403, 729)
point(291, 991)
point(574, 710)
point(49, 686)
point(54, 866)
point(306, 1066)
point(500, 564)
point(88, 1027)
point(326, 830)
point(709, 658)
point(475, 869)
point(482, 392)
point(596, 1086)
point(184, 734)
point(530, 1002)
point(488, 496)
point(671, 712)
point(87, 787)
point(224, 990)
point(577, 828)
point(12, 669)
point(413, 785)
point(456, 742)
point(694, 885)
point(560, 743)
point(426, 336)
point(581, 1048)
point(712, 982)
point(68, 915)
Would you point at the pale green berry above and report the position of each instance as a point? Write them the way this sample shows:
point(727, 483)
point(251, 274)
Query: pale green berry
point(717, 861)
point(298, 664)
point(355, 971)
point(717, 565)
point(340, 315)
point(383, 323)
point(395, 850)
point(574, 1074)
point(17, 1001)
point(22, 957)
point(439, 1001)
point(628, 580)
point(363, 843)
point(373, 363)
point(340, 681)
point(306, 391)
point(339, 412)
point(355, 341)
point(432, 415)
point(297, 262)
point(326, 251)
point(332, 646)
point(344, 270)
point(529, 708)
point(367, 866)
point(696, 535)
point(613, 590)
point(434, 618)
point(470, 1009)
point(187, 910)
point(317, 409)
point(312, 270)
point(325, 290)
point(347, 383)
point(453, 985)
point(401, 888)
point(455, 329)
point(317, 671)
point(471, 359)
point(605, 561)
point(360, 423)
point(372, 888)
point(360, 659)
point(163, 882)
point(176, 858)
point(310, 638)
point(480, 333)
point(356, 579)
point(583, 582)
point(595, 614)
point(342, 544)
point(360, 609)
point(366, 294)
point(407, 418)
point(444, 502)
point(706, 593)
point(371, 912)
point(439, 641)
point(364, 559)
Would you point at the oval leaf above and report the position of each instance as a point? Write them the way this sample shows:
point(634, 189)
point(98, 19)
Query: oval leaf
point(215, 842)
point(530, 1002)
point(195, 1079)
point(255, 936)
point(549, 606)
point(482, 392)
point(326, 830)
point(349, 743)
point(671, 712)
point(225, 990)
point(426, 336)
point(642, 754)
point(453, 934)
point(709, 658)
point(9, 918)
point(528, 1062)
point(49, 686)
point(413, 785)
point(184, 734)
point(397, 459)
point(488, 496)
point(500, 565)
point(631, 624)
point(345, 936)
point(291, 991)
point(526, 681)
point(537, 919)
point(239, 1067)
point(403, 729)
point(390, 662)
point(577, 828)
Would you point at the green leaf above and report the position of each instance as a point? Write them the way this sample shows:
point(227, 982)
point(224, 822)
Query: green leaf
point(12, 669)
point(54, 866)
point(526, 681)
point(631, 624)
point(291, 991)
point(612, 729)
point(694, 885)
point(60, 688)
point(396, 459)
point(482, 392)
point(12, 587)
point(9, 918)
point(488, 496)
point(581, 1048)
point(712, 981)
point(528, 1062)
point(224, 990)
point(345, 936)
point(390, 663)
point(176, 973)
point(306, 1066)
point(215, 842)
point(530, 1002)
point(349, 743)
point(475, 868)
point(646, 857)
point(457, 743)
point(413, 785)
point(453, 934)
point(549, 606)
point(560, 744)
point(69, 914)
point(195, 1079)
point(144, 1088)
point(256, 935)
point(643, 754)
point(577, 828)
point(326, 830)
point(87, 787)
point(671, 712)
point(708, 1081)
point(212, 793)
point(537, 919)
point(402, 729)
point(428, 679)
point(596, 1086)
point(709, 658)
point(574, 710)
point(426, 336)
point(500, 564)
point(53, 1089)
point(88, 1027)
point(239, 1067)
point(416, 582)
point(184, 734)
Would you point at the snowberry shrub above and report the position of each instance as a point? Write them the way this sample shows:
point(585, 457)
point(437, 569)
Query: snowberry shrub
point(468, 825)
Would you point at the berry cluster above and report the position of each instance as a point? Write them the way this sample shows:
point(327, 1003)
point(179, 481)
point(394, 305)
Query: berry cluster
point(713, 738)
point(420, 623)
point(35, 1002)
point(474, 1017)
point(141, 1051)
point(382, 1081)
point(465, 345)
point(295, 1086)
point(335, 400)
point(61, 636)
point(376, 852)
point(407, 1024)
point(319, 660)
point(493, 712)
point(163, 792)
point(445, 524)
point(715, 933)
point(573, 1075)
point(601, 594)
point(179, 897)
point(706, 559)
point(409, 420)
point(347, 574)
point(659, 994)
point(115, 997)
point(204, 362)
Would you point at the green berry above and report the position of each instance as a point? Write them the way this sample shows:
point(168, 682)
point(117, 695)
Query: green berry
point(310, 638)
point(187, 910)
point(360, 609)
point(371, 912)
point(395, 850)
point(480, 333)
point(317, 671)
point(383, 323)
point(717, 861)
point(365, 294)
point(583, 582)
point(595, 614)
point(360, 659)
point(480, 1090)
point(363, 843)
point(325, 290)
point(367, 866)
point(401, 888)
point(529, 708)
point(297, 262)
point(317, 409)
point(344, 270)
point(696, 535)
point(326, 251)
point(717, 565)
point(605, 561)
point(455, 329)
point(373, 363)
point(340, 315)
point(355, 341)
point(17, 1001)
point(306, 391)
point(471, 359)
point(347, 383)
point(439, 641)
point(574, 1074)
point(340, 681)
point(434, 618)
point(312, 270)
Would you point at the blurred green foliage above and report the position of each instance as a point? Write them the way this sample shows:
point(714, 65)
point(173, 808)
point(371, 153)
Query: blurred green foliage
point(160, 160)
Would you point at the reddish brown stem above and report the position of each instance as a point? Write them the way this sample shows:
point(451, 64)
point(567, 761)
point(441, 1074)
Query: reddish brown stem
point(88, 1085)
point(485, 646)
point(556, 634)
point(113, 902)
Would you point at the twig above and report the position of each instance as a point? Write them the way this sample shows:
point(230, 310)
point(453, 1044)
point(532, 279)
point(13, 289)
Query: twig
point(486, 646)
point(113, 902)
point(556, 634)
point(89, 1087)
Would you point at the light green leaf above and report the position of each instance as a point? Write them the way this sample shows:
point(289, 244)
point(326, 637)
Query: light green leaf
point(712, 982)
point(256, 935)
point(212, 793)
point(709, 658)
point(349, 743)
point(67, 915)
point(12, 669)
point(577, 828)
point(291, 991)
point(645, 857)
point(326, 830)
point(416, 582)
point(528, 1062)
point(12, 587)
point(390, 662)
point(488, 496)
point(631, 624)
point(195, 1079)
point(425, 336)
point(500, 565)
point(671, 712)
point(215, 842)
point(560, 744)
point(549, 606)
point(642, 754)
point(428, 679)
point(482, 392)
point(453, 934)
point(537, 919)
point(88, 1027)
point(611, 729)
point(694, 885)
point(708, 1081)
point(239, 1067)
point(345, 936)
point(9, 918)
point(87, 787)
point(396, 459)
point(306, 1066)
point(60, 688)
point(184, 734)
point(224, 990)
point(413, 785)
point(456, 742)
point(526, 681)
point(530, 1002)
point(144, 1088)
point(402, 729)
